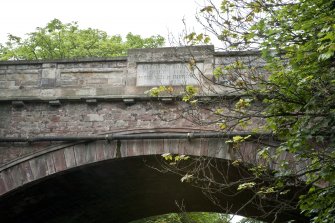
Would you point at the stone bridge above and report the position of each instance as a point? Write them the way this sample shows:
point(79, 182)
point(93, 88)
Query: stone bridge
point(78, 137)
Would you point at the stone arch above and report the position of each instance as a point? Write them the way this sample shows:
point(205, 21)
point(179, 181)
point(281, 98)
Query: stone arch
point(88, 175)
point(66, 156)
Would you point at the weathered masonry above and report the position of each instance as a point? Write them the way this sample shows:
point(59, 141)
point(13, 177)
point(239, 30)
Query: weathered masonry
point(98, 96)
point(77, 136)
point(123, 77)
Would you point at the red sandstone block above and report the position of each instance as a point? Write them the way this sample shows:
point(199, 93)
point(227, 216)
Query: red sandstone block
point(50, 164)
point(171, 146)
point(16, 176)
point(101, 153)
point(59, 160)
point(134, 147)
point(3, 187)
point(79, 151)
point(204, 147)
point(70, 159)
point(9, 183)
point(38, 167)
point(90, 152)
point(146, 150)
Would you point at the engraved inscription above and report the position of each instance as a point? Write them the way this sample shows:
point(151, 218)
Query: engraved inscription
point(173, 74)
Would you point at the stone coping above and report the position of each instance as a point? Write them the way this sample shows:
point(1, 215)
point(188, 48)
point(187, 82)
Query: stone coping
point(239, 53)
point(183, 49)
point(202, 98)
point(74, 60)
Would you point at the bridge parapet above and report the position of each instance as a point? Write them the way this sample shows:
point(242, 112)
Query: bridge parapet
point(111, 78)
point(120, 77)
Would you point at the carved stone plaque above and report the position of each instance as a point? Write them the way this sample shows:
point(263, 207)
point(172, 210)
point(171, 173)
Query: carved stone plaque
point(167, 74)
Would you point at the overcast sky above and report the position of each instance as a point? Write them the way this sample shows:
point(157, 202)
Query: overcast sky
point(144, 17)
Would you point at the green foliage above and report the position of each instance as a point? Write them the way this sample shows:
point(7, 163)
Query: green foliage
point(222, 125)
point(299, 46)
point(248, 220)
point(66, 40)
point(297, 40)
point(201, 38)
point(246, 185)
point(174, 159)
point(190, 93)
point(218, 72)
point(319, 204)
point(238, 139)
point(161, 90)
point(243, 104)
point(192, 217)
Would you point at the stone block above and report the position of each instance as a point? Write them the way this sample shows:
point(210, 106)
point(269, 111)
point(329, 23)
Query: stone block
point(131, 81)
point(38, 167)
point(167, 100)
point(86, 92)
point(129, 101)
point(70, 157)
point(91, 101)
point(95, 81)
point(22, 77)
point(83, 70)
point(29, 83)
point(55, 103)
point(94, 65)
point(48, 83)
point(72, 82)
point(121, 64)
point(48, 93)
point(5, 115)
point(11, 84)
point(49, 73)
point(49, 65)
point(3, 77)
point(67, 92)
point(116, 79)
point(59, 160)
point(108, 90)
point(133, 90)
point(62, 66)
point(167, 74)
point(95, 118)
point(3, 84)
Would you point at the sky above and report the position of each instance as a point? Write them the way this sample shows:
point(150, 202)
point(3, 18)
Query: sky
point(143, 17)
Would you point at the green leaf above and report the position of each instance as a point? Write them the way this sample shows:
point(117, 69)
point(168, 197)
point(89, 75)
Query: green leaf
point(246, 186)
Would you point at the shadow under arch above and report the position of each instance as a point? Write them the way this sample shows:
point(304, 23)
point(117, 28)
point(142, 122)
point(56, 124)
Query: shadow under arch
point(115, 190)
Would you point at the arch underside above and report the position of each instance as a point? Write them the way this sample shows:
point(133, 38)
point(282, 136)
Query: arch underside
point(116, 190)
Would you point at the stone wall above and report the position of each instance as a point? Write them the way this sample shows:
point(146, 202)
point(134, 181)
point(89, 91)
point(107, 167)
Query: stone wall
point(120, 77)
point(96, 96)
point(115, 77)
point(62, 79)
point(78, 118)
